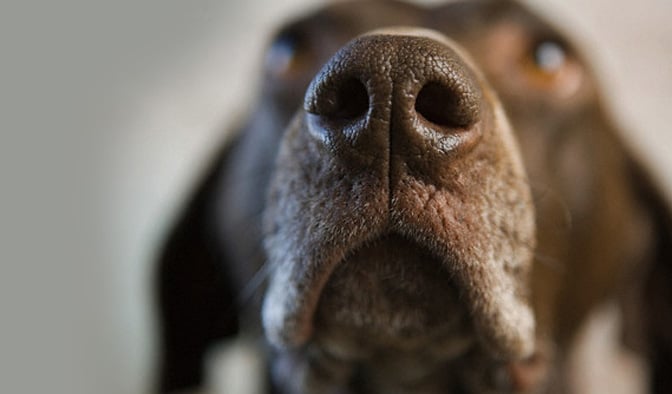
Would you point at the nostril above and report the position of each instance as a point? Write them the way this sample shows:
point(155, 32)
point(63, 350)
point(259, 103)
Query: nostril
point(347, 100)
point(445, 106)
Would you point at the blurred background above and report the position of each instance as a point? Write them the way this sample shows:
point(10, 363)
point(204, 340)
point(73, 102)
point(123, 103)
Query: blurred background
point(107, 112)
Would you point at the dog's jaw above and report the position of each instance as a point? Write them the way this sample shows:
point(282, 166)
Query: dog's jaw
point(392, 296)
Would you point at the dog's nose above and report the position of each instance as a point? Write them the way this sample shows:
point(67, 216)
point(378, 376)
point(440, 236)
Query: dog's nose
point(408, 87)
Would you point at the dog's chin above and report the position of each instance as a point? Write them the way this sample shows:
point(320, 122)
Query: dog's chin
point(391, 294)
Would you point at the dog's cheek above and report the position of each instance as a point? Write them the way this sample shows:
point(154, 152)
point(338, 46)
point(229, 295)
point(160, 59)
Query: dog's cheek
point(317, 209)
point(315, 198)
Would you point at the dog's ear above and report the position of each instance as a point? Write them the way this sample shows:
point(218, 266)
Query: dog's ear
point(196, 300)
point(656, 287)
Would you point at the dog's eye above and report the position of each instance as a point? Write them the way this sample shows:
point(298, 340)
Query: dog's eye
point(551, 66)
point(549, 56)
point(284, 55)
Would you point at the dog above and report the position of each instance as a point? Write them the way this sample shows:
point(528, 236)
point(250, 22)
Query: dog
point(424, 200)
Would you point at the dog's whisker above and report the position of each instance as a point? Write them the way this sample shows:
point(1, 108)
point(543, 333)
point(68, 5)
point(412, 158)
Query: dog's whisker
point(552, 262)
point(255, 283)
point(542, 191)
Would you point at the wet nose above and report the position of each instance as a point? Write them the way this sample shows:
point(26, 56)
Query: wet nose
point(412, 89)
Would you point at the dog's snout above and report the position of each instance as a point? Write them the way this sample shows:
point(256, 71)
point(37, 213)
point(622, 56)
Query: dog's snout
point(384, 83)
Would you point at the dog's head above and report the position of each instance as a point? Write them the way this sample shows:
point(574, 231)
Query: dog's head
point(423, 186)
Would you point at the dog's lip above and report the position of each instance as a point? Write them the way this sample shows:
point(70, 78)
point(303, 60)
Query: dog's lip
point(293, 295)
point(406, 293)
point(295, 289)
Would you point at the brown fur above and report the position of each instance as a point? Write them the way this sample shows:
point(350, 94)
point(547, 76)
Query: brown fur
point(440, 215)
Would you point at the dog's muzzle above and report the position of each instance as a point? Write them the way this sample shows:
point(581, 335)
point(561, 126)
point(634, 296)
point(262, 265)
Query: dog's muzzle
point(401, 169)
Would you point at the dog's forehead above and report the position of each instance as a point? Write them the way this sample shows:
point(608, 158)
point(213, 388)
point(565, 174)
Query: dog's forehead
point(354, 17)
point(351, 18)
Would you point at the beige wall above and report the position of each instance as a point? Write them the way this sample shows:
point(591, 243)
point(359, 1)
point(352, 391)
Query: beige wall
point(108, 111)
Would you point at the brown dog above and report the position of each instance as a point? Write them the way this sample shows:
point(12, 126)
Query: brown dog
point(434, 201)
